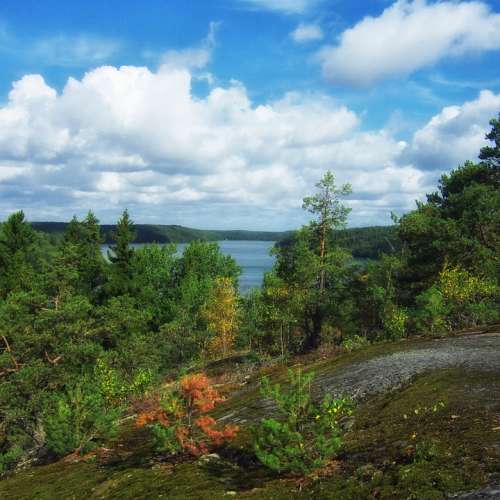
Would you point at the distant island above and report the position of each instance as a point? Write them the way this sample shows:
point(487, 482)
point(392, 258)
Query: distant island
point(363, 242)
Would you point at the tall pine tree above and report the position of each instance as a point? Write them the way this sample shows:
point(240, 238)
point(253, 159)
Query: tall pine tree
point(120, 255)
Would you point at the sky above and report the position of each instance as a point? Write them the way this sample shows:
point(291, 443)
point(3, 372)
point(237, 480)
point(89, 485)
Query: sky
point(224, 114)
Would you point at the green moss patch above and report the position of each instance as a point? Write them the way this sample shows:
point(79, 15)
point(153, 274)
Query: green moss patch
point(426, 455)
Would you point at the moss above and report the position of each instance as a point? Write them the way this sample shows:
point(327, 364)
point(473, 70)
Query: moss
point(429, 454)
point(453, 449)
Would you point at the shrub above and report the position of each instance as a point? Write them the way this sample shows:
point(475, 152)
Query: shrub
point(114, 387)
point(471, 299)
point(10, 457)
point(180, 423)
point(431, 312)
point(308, 435)
point(395, 323)
point(78, 419)
point(354, 343)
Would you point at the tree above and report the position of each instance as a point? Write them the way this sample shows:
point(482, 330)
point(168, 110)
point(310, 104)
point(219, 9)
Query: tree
point(458, 225)
point(83, 240)
point(121, 254)
point(491, 154)
point(221, 314)
point(330, 213)
point(312, 265)
point(23, 254)
point(280, 312)
point(195, 274)
point(154, 275)
point(179, 419)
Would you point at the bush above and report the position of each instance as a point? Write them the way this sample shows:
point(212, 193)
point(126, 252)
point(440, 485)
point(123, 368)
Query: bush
point(354, 343)
point(471, 300)
point(308, 435)
point(395, 323)
point(10, 457)
point(78, 419)
point(431, 312)
point(179, 421)
point(115, 388)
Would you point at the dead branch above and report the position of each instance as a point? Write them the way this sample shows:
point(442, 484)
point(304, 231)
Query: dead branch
point(53, 361)
point(8, 349)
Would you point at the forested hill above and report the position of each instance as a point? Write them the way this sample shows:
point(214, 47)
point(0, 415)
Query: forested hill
point(364, 242)
point(150, 233)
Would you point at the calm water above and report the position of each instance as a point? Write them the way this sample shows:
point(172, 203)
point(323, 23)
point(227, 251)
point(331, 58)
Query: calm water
point(252, 256)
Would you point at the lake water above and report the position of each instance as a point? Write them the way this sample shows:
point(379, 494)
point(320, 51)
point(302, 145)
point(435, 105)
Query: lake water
point(252, 256)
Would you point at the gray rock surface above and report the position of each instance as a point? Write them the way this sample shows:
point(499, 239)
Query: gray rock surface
point(385, 373)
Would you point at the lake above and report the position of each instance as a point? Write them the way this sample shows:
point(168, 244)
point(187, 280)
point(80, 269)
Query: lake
point(252, 256)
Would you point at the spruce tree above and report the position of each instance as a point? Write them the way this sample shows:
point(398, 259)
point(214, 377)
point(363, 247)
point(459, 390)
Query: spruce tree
point(18, 255)
point(121, 255)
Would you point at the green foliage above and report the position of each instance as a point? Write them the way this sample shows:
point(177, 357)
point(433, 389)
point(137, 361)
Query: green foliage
point(10, 457)
point(354, 343)
point(186, 334)
point(491, 154)
point(23, 255)
point(308, 435)
point(470, 299)
point(121, 255)
point(79, 419)
point(431, 311)
point(395, 323)
point(114, 388)
point(153, 268)
point(458, 225)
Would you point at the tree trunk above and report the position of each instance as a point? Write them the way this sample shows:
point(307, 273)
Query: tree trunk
point(313, 337)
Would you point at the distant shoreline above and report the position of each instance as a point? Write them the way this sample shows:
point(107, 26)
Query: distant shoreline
point(364, 242)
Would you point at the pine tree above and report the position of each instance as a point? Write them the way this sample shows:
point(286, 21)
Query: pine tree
point(17, 254)
point(83, 240)
point(121, 255)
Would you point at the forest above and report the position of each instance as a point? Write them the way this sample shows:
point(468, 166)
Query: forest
point(84, 338)
point(363, 243)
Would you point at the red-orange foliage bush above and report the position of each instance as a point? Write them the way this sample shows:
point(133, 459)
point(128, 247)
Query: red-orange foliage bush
point(178, 420)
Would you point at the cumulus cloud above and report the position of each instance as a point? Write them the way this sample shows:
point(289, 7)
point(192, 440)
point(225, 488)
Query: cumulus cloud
point(284, 6)
point(454, 135)
point(306, 33)
point(408, 36)
point(134, 137)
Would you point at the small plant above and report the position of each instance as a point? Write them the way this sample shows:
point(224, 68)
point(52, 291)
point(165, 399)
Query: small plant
point(308, 435)
point(78, 419)
point(431, 311)
point(422, 450)
point(115, 388)
point(180, 423)
point(10, 457)
point(354, 343)
point(395, 323)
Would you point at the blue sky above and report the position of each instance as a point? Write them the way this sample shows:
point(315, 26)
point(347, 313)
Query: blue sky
point(224, 113)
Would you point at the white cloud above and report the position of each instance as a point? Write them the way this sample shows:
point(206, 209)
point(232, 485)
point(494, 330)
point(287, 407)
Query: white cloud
point(454, 135)
point(306, 33)
point(285, 6)
point(193, 57)
point(408, 36)
point(134, 137)
point(71, 51)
